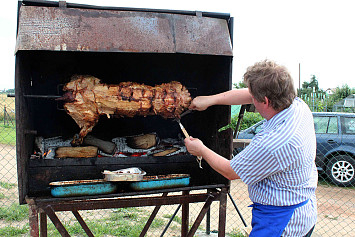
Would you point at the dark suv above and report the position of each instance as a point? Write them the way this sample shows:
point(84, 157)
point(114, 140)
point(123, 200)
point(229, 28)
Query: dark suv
point(335, 134)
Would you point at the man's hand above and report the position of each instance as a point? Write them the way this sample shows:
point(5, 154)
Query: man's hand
point(194, 146)
point(201, 103)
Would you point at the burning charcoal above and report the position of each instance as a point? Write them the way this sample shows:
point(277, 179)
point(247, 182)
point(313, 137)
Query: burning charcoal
point(39, 144)
point(50, 154)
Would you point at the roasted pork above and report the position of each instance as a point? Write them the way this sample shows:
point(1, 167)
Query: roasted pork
point(86, 98)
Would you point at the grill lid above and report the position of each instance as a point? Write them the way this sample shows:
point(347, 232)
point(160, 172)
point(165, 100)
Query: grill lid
point(95, 30)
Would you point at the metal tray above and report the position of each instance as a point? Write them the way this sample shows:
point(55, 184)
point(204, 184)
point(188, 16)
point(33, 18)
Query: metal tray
point(130, 174)
point(81, 188)
point(161, 182)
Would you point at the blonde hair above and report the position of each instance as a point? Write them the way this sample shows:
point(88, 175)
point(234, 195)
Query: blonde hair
point(270, 80)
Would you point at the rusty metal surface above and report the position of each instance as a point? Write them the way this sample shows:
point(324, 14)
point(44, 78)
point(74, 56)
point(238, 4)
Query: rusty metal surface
point(49, 208)
point(93, 204)
point(69, 29)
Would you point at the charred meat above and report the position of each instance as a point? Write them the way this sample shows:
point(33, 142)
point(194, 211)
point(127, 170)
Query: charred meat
point(86, 98)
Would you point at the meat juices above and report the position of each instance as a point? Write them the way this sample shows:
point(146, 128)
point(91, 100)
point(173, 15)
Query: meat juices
point(87, 98)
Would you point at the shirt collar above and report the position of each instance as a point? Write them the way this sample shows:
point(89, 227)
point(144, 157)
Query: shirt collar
point(279, 118)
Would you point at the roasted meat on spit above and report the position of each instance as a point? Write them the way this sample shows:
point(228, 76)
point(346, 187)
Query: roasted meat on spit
point(86, 98)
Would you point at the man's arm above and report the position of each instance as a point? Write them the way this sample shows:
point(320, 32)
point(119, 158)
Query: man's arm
point(232, 97)
point(217, 162)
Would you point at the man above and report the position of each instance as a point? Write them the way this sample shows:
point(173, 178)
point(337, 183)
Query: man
point(278, 165)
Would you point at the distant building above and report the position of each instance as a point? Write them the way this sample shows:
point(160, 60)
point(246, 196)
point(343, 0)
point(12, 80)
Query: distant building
point(345, 105)
point(330, 91)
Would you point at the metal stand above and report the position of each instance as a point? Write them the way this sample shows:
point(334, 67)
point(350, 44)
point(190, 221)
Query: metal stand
point(48, 207)
point(236, 208)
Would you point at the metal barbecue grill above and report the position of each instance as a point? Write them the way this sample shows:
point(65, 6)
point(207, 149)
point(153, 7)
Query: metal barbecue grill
point(56, 40)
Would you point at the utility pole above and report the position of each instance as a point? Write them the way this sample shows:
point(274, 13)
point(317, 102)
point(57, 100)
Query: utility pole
point(299, 79)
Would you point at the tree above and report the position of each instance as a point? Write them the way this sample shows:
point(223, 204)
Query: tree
point(239, 85)
point(342, 92)
point(310, 87)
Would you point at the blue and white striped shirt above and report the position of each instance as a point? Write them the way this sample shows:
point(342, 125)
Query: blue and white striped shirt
point(279, 166)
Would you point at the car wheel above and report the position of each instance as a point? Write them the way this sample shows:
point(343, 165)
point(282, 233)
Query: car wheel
point(340, 170)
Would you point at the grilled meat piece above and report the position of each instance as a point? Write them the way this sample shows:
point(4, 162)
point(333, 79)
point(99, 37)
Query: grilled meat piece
point(87, 98)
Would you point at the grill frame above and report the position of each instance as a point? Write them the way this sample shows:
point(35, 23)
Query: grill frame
point(39, 72)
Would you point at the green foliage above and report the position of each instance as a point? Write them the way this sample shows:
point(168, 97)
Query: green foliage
point(14, 212)
point(237, 233)
point(239, 85)
point(177, 219)
point(14, 231)
point(342, 92)
point(321, 102)
point(8, 91)
point(126, 213)
point(6, 185)
point(249, 119)
point(311, 86)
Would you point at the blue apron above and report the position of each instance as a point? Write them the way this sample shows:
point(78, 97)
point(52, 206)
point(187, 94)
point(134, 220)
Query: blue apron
point(270, 220)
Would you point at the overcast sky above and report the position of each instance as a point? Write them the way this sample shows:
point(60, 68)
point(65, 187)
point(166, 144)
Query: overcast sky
point(318, 35)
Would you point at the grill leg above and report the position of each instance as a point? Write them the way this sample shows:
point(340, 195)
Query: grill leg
point(200, 216)
point(33, 220)
point(82, 223)
point(208, 222)
point(222, 213)
point(151, 218)
point(236, 208)
point(43, 224)
point(51, 214)
point(185, 216)
point(171, 219)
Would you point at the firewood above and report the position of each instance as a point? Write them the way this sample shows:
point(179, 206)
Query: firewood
point(105, 146)
point(76, 152)
point(166, 152)
point(145, 141)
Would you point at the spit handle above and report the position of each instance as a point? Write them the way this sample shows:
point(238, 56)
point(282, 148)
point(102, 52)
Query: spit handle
point(199, 158)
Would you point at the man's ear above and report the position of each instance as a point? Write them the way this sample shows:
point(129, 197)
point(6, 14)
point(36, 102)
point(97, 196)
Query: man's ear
point(266, 101)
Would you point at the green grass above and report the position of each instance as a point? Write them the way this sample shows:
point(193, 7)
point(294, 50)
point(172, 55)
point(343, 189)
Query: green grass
point(177, 219)
point(6, 185)
point(7, 135)
point(121, 222)
point(14, 212)
point(14, 231)
point(237, 233)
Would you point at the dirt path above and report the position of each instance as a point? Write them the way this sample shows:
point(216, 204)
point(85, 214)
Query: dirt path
point(336, 209)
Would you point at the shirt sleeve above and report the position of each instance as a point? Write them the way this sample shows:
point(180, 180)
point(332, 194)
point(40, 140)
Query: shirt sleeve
point(254, 164)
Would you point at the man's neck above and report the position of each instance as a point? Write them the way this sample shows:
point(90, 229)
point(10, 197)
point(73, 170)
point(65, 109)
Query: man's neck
point(271, 113)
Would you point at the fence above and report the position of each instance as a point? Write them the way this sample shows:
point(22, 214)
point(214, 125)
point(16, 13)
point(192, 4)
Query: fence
point(336, 204)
